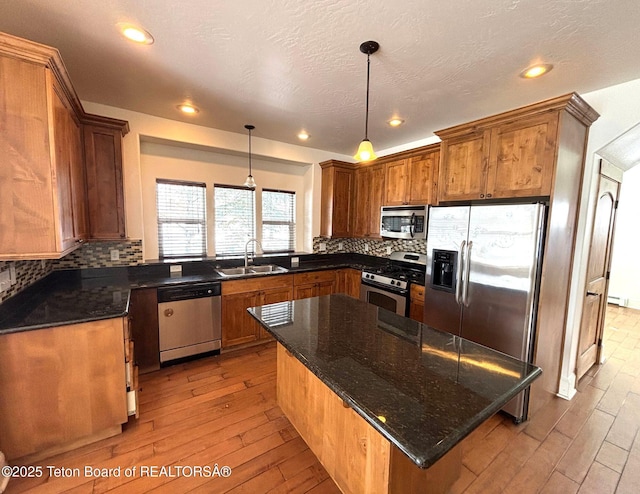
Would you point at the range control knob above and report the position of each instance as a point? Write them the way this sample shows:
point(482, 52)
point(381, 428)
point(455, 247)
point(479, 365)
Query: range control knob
point(372, 277)
point(393, 282)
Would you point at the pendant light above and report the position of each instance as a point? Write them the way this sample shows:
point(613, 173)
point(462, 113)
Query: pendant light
point(365, 150)
point(250, 182)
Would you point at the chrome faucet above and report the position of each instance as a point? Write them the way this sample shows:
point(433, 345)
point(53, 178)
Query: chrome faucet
point(246, 248)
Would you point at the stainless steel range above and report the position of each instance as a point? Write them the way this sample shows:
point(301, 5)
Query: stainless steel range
point(388, 285)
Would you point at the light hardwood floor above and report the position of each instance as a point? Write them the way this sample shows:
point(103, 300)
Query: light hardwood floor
point(223, 410)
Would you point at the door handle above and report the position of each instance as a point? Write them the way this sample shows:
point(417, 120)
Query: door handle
point(168, 312)
point(592, 294)
point(465, 288)
point(459, 270)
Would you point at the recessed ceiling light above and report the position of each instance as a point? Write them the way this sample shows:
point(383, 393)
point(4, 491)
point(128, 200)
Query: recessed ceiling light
point(395, 122)
point(188, 109)
point(536, 70)
point(303, 135)
point(136, 34)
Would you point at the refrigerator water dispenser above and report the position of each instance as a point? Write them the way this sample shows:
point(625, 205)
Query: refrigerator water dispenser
point(443, 270)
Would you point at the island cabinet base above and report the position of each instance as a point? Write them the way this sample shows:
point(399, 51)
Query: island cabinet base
point(356, 456)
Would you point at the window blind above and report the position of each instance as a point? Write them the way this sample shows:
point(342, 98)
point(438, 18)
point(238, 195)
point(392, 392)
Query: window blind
point(235, 219)
point(278, 220)
point(182, 220)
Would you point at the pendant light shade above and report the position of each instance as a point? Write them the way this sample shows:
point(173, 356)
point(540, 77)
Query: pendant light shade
point(365, 150)
point(250, 182)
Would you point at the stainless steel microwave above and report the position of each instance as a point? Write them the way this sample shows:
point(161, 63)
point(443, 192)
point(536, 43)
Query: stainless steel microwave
point(408, 222)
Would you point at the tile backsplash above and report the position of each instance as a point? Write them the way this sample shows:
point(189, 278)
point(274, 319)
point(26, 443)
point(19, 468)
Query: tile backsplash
point(98, 255)
point(27, 273)
point(372, 247)
point(90, 255)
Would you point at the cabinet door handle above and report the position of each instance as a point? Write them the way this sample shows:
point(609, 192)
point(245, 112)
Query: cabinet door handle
point(488, 195)
point(481, 196)
point(168, 312)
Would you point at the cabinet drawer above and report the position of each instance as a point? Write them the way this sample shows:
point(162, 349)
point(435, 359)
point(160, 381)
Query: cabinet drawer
point(417, 293)
point(313, 277)
point(256, 284)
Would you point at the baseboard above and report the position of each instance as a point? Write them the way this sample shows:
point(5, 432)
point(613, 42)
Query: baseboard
point(567, 387)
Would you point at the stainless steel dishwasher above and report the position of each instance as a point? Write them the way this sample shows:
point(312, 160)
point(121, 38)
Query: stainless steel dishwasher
point(189, 319)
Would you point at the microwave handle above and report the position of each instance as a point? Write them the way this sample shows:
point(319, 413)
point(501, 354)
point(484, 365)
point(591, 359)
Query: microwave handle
point(412, 224)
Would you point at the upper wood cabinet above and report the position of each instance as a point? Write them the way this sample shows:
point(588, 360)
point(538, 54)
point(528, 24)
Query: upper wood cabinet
point(510, 155)
point(39, 145)
point(368, 197)
point(105, 194)
point(336, 215)
point(43, 207)
point(411, 179)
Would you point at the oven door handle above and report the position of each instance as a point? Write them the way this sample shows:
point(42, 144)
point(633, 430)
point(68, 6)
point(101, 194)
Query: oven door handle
point(412, 224)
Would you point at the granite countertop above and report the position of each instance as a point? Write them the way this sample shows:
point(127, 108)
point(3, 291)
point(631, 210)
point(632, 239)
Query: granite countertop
point(424, 390)
point(75, 296)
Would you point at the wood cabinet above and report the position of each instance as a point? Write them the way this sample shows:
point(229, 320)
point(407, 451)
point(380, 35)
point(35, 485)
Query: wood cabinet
point(336, 213)
point(314, 284)
point(143, 315)
point(238, 327)
point(416, 307)
point(46, 215)
point(61, 387)
point(39, 144)
point(105, 193)
point(500, 158)
point(368, 197)
point(411, 179)
point(348, 281)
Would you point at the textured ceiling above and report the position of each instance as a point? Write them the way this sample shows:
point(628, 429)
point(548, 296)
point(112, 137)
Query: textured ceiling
point(284, 65)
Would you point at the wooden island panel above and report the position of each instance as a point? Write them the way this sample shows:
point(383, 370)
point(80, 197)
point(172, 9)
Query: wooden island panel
point(356, 456)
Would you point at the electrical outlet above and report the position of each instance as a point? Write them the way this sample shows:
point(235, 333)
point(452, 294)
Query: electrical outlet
point(12, 273)
point(5, 280)
point(322, 247)
point(340, 245)
point(43, 264)
point(388, 250)
point(366, 247)
point(115, 255)
point(175, 270)
point(295, 262)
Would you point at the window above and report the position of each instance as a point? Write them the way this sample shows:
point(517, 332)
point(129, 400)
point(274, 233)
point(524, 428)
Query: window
point(278, 220)
point(235, 218)
point(182, 220)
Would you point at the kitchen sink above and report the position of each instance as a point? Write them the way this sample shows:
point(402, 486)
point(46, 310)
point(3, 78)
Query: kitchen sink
point(251, 270)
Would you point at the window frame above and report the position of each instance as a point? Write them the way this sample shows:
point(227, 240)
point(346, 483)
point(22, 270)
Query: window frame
point(291, 223)
point(200, 221)
point(216, 213)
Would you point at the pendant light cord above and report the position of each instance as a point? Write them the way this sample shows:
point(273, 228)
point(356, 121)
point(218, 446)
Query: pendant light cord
point(366, 117)
point(250, 153)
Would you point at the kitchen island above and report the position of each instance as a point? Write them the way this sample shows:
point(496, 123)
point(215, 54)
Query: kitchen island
point(384, 401)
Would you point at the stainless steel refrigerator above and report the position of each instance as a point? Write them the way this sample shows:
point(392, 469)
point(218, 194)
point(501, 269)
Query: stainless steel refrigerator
point(482, 282)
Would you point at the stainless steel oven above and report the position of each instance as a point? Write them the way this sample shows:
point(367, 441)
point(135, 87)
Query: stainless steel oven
point(393, 301)
point(404, 222)
point(387, 286)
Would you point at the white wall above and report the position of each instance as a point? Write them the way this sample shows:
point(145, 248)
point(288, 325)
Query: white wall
point(625, 263)
point(148, 128)
point(619, 108)
point(196, 165)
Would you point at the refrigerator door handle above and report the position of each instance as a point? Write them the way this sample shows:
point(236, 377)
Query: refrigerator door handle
point(467, 272)
point(459, 270)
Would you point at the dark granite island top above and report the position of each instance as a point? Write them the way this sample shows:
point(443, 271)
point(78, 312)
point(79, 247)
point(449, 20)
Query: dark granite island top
point(422, 389)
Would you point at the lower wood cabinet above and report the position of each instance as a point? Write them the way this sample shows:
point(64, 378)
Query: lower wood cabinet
point(238, 327)
point(348, 282)
point(63, 386)
point(416, 307)
point(314, 284)
point(143, 313)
